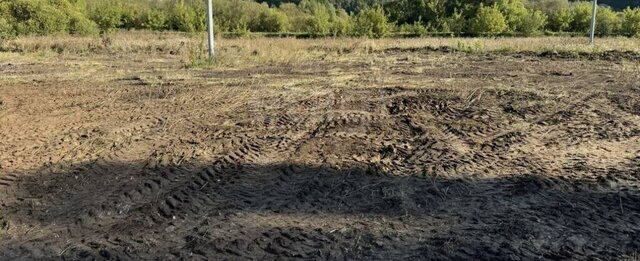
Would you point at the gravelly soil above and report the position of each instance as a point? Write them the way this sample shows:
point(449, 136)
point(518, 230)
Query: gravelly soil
point(396, 155)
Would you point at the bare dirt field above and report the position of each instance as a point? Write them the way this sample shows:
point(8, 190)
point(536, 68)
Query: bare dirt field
point(360, 150)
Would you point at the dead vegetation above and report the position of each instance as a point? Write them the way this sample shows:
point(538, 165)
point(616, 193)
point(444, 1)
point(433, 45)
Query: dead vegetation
point(325, 149)
point(242, 52)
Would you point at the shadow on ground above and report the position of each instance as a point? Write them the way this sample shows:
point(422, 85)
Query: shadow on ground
point(237, 211)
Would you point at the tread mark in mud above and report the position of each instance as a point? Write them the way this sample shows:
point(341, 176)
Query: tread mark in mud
point(194, 195)
point(8, 180)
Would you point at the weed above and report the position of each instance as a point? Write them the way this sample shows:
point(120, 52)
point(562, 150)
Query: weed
point(474, 47)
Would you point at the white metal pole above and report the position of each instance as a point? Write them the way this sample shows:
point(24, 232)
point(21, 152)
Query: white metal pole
point(593, 22)
point(210, 27)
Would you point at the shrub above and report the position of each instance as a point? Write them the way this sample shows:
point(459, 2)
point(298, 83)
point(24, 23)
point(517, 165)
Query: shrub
point(316, 25)
point(271, 20)
point(533, 22)
point(318, 21)
point(20, 17)
point(154, 19)
point(6, 30)
point(608, 22)
point(184, 18)
point(6, 23)
point(107, 16)
point(241, 29)
point(549, 7)
point(201, 16)
point(581, 13)
point(417, 29)
point(455, 23)
point(631, 24)
point(430, 12)
point(130, 16)
point(488, 21)
point(514, 13)
point(37, 17)
point(371, 22)
point(561, 20)
point(234, 16)
point(81, 25)
point(340, 24)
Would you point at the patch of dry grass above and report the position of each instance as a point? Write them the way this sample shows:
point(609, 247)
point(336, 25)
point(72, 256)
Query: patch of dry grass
point(241, 52)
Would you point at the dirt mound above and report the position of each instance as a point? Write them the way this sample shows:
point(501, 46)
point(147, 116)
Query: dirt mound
point(610, 55)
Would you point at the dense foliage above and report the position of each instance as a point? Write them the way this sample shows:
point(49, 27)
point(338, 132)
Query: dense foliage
point(371, 18)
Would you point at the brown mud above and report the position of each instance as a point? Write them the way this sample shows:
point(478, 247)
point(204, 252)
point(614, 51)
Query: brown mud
point(419, 155)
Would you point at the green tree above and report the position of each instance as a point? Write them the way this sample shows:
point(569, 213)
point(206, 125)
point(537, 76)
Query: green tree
point(455, 23)
point(608, 22)
point(37, 17)
point(533, 22)
point(183, 18)
point(514, 12)
point(6, 30)
point(340, 23)
point(631, 25)
point(271, 20)
point(489, 21)
point(371, 22)
point(417, 29)
point(107, 15)
point(548, 7)
point(154, 19)
point(412, 11)
point(81, 25)
point(581, 13)
point(318, 21)
point(561, 20)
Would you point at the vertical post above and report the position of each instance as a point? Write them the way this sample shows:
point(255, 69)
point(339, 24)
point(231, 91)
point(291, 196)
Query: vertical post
point(593, 22)
point(210, 27)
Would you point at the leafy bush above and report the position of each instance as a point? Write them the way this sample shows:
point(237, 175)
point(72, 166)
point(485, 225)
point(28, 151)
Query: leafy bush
point(608, 22)
point(488, 21)
point(6, 23)
point(417, 28)
point(340, 24)
point(184, 18)
point(549, 7)
point(514, 12)
point(318, 21)
point(533, 22)
point(201, 15)
point(429, 12)
point(107, 15)
point(581, 13)
point(154, 19)
point(130, 16)
point(455, 23)
point(297, 16)
point(232, 16)
point(561, 20)
point(318, 17)
point(271, 20)
point(20, 17)
point(371, 22)
point(6, 30)
point(37, 17)
point(631, 24)
point(81, 25)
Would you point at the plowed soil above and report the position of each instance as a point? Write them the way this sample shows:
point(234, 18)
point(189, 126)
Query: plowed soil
point(417, 154)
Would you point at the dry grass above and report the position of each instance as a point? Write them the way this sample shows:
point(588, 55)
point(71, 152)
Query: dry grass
point(241, 52)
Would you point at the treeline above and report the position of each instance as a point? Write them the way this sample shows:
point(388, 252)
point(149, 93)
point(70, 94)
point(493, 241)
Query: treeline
point(316, 17)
